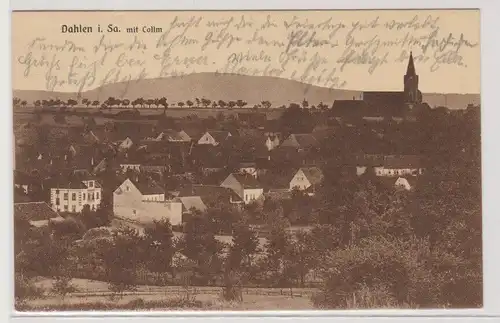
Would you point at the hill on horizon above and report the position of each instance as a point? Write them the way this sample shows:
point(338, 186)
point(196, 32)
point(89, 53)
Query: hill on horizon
point(227, 87)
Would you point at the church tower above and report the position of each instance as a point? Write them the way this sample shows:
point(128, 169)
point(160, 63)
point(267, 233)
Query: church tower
point(411, 92)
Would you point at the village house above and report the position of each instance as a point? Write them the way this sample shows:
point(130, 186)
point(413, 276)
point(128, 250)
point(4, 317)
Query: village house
point(245, 186)
point(71, 196)
point(144, 201)
point(214, 137)
point(38, 214)
point(307, 178)
point(191, 204)
point(211, 195)
point(390, 165)
point(301, 141)
point(171, 135)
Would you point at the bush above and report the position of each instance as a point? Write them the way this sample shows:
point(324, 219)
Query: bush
point(25, 289)
point(62, 286)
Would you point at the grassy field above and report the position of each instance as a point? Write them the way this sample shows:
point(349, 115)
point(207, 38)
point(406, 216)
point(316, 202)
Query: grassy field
point(91, 292)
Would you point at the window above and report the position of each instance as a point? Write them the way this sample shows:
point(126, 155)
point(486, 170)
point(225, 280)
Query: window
point(57, 192)
point(73, 196)
point(65, 196)
point(127, 188)
point(246, 197)
point(91, 183)
point(73, 208)
point(58, 202)
point(84, 197)
point(65, 208)
point(96, 195)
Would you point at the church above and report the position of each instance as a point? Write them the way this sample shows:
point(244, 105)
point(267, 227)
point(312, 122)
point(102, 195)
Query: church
point(385, 103)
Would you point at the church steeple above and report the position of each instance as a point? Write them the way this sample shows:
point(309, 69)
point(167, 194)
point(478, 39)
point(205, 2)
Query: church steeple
point(410, 70)
point(411, 92)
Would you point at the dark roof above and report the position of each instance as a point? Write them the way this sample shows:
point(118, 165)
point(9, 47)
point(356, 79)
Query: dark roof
point(218, 135)
point(313, 174)
point(209, 193)
point(247, 181)
point(190, 202)
point(34, 211)
point(20, 196)
point(273, 179)
point(148, 186)
point(305, 140)
point(67, 184)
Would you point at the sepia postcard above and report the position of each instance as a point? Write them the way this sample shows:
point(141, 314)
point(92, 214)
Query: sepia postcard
point(246, 160)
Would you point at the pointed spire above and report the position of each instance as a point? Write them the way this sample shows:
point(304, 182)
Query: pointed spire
point(411, 66)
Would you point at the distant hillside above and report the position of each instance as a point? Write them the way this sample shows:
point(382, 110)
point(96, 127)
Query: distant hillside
point(251, 89)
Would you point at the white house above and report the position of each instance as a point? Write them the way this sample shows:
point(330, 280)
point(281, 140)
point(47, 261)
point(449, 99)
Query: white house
point(73, 196)
point(144, 201)
point(245, 186)
point(390, 165)
point(306, 177)
point(214, 138)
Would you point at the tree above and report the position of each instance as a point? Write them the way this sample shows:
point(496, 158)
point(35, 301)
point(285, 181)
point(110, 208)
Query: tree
point(37, 103)
point(222, 104)
point(159, 246)
point(121, 260)
point(24, 103)
point(240, 103)
point(199, 245)
point(231, 104)
point(266, 104)
point(125, 102)
point(95, 103)
point(62, 286)
point(71, 103)
point(180, 104)
point(189, 103)
point(297, 120)
point(16, 101)
point(86, 102)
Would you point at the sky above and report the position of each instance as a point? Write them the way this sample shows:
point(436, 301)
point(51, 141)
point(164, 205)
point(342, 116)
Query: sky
point(357, 50)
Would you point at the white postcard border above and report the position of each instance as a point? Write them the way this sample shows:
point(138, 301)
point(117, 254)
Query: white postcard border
point(490, 24)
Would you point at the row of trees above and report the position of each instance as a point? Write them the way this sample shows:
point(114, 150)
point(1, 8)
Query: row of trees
point(140, 103)
point(158, 103)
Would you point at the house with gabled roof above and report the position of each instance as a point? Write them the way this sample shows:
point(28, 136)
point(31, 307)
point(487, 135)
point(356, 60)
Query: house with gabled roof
point(214, 137)
point(143, 200)
point(211, 194)
point(303, 142)
point(245, 186)
point(307, 178)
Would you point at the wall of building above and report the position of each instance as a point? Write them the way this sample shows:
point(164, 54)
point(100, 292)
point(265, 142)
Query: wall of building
point(250, 195)
point(73, 200)
point(299, 181)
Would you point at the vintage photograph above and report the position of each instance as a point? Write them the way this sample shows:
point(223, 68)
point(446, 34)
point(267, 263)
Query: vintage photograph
point(246, 160)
